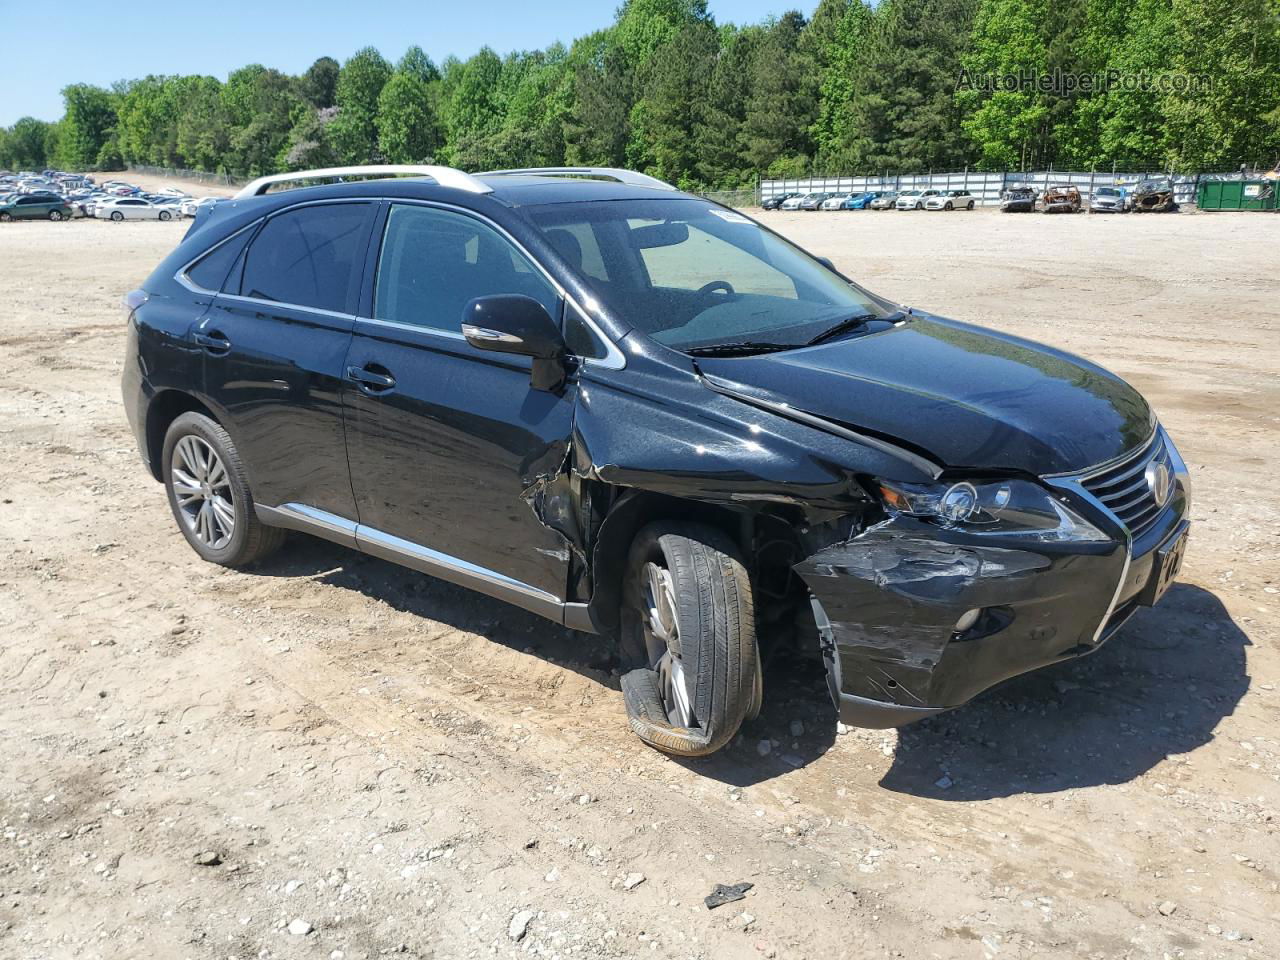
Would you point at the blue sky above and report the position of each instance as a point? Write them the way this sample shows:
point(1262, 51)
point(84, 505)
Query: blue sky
point(97, 43)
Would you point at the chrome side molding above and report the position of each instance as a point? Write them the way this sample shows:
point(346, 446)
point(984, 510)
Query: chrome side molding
point(386, 546)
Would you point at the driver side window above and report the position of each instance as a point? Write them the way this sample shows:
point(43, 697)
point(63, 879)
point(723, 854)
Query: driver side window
point(701, 258)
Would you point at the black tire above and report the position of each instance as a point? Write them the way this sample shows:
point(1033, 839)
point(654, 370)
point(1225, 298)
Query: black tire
point(948, 206)
point(970, 206)
point(250, 539)
point(117, 216)
point(715, 618)
point(5, 217)
point(166, 215)
point(55, 215)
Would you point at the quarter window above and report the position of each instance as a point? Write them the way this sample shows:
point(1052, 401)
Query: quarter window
point(211, 270)
point(309, 257)
point(434, 262)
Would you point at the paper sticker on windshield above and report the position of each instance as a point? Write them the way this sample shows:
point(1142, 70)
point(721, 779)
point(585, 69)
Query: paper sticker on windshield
point(728, 216)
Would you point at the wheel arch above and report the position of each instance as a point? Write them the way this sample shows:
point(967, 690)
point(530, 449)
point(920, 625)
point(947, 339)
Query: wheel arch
point(164, 408)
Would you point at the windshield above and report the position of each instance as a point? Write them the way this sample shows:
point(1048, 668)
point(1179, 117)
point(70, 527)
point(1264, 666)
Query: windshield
point(1108, 192)
point(691, 274)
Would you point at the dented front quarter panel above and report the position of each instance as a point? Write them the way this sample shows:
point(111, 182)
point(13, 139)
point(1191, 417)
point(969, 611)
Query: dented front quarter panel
point(894, 592)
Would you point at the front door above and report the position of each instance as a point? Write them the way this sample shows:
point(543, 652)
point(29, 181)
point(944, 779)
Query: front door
point(448, 445)
point(274, 341)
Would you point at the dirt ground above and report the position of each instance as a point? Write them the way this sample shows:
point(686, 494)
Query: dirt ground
point(195, 762)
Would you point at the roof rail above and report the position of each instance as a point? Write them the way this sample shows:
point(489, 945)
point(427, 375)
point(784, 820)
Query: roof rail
point(632, 177)
point(445, 176)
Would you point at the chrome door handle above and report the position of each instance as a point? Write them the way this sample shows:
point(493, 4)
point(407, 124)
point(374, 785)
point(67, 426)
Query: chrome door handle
point(370, 381)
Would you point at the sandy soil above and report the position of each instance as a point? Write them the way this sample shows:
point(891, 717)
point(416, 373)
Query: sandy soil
point(192, 759)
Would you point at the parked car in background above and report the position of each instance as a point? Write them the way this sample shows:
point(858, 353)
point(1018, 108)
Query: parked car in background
point(193, 205)
point(860, 201)
point(131, 208)
point(173, 192)
point(950, 200)
point(836, 201)
point(1018, 199)
point(776, 201)
point(1107, 200)
point(793, 203)
point(1061, 198)
point(884, 201)
point(914, 199)
point(814, 201)
point(933, 506)
point(34, 207)
point(1154, 196)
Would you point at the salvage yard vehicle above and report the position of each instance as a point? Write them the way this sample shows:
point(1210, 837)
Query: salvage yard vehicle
point(885, 201)
point(838, 201)
point(642, 414)
point(1153, 196)
point(950, 200)
point(1018, 199)
point(1061, 198)
point(1107, 200)
point(132, 208)
point(34, 206)
point(914, 199)
point(861, 201)
point(776, 201)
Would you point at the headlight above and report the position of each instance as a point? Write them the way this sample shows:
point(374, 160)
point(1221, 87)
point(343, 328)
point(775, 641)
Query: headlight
point(1010, 508)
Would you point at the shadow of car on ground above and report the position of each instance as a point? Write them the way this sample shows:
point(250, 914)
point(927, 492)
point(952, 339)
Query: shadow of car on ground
point(1158, 688)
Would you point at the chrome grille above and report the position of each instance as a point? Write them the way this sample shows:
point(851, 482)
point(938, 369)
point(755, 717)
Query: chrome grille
point(1123, 488)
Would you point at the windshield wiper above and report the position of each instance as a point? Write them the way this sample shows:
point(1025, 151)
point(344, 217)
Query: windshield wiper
point(844, 326)
point(738, 347)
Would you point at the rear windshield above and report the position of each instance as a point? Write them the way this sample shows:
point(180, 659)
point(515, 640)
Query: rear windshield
point(691, 274)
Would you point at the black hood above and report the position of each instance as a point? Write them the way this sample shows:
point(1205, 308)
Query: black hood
point(961, 395)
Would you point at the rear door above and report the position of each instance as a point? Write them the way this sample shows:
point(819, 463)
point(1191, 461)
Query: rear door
point(274, 342)
point(447, 443)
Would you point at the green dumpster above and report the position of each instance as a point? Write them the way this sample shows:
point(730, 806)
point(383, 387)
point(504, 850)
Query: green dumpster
point(1237, 195)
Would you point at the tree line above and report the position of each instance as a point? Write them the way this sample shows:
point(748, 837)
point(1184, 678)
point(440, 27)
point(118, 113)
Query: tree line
point(854, 88)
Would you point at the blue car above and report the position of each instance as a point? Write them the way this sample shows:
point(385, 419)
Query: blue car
point(860, 201)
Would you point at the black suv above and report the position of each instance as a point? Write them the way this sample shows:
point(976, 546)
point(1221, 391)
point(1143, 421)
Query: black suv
point(642, 414)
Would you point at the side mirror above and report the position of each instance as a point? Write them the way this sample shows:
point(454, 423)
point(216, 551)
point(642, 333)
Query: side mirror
point(514, 323)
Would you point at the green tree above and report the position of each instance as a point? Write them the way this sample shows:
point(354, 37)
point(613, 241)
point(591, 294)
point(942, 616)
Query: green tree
point(837, 136)
point(782, 100)
point(408, 129)
point(674, 102)
point(355, 131)
point(25, 145)
point(473, 109)
point(88, 121)
point(319, 85)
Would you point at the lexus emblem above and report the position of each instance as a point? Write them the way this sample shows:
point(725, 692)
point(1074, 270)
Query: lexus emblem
point(1159, 481)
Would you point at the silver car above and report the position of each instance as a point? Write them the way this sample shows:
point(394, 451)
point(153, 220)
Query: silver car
point(1107, 200)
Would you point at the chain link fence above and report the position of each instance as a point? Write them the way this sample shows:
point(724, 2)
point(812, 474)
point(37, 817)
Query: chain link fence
point(200, 176)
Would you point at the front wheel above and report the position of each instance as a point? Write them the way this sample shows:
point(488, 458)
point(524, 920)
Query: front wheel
point(687, 604)
point(209, 494)
point(948, 206)
point(5, 217)
point(55, 215)
point(166, 215)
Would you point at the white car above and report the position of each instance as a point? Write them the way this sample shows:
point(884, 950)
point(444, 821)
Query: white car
point(838, 201)
point(914, 199)
point(951, 200)
point(173, 192)
point(132, 208)
point(794, 202)
point(193, 205)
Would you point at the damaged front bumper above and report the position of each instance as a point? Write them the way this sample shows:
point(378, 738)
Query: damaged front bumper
point(915, 619)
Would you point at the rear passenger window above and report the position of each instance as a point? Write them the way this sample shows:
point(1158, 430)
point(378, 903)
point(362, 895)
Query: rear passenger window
point(211, 270)
point(309, 257)
point(434, 262)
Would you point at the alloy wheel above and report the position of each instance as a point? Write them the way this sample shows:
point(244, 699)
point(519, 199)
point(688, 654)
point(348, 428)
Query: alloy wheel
point(662, 642)
point(202, 490)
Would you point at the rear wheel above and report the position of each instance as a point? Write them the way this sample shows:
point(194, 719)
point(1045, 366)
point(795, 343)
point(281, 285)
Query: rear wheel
point(687, 604)
point(970, 206)
point(117, 216)
point(209, 494)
